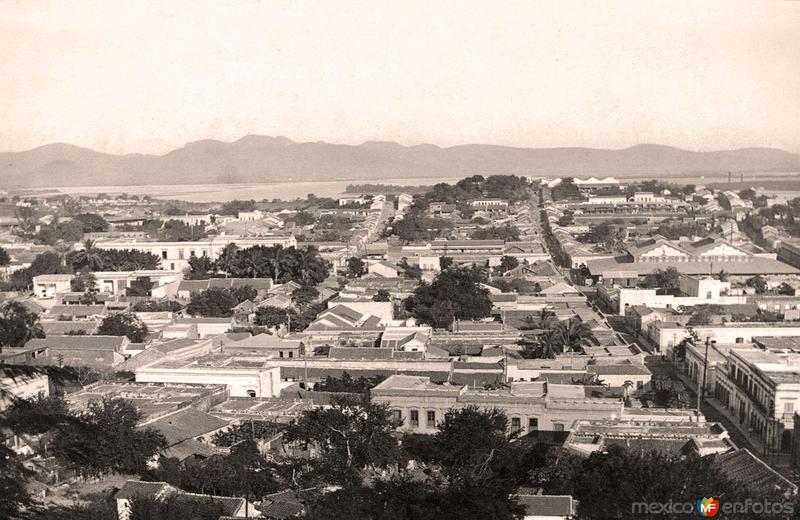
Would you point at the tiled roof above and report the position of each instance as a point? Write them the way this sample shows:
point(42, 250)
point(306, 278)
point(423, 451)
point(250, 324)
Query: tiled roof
point(744, 467)
point(138, 488)
point(78, 342)
point(187, 424)
point(621, 369)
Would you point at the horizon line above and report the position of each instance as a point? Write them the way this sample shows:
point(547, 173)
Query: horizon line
point(399, 144)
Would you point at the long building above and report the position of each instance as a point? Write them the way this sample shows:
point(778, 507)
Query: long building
point(419, 404)
point(174, 256)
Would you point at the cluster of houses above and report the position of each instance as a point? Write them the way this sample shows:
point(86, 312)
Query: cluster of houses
point(735, 342)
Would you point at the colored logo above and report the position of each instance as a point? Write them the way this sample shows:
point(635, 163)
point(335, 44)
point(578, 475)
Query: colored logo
point(707, 507)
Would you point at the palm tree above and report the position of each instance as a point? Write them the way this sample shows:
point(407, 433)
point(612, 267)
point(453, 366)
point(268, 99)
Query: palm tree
point(626, 392)
point(90, 256)
point(572, 335)
point(227, 258)
point(62, 248)
point(548, 347)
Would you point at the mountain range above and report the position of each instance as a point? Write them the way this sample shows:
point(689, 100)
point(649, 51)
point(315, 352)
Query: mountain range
point(278, 159)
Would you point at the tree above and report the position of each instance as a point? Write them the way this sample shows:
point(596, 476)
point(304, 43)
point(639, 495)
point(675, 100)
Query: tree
point(570, 335)
point(352, 435)
point(107, 437)
point(700, 317)
point(356, 267)
point(51, 233)
point(112, 259)
point(242, 473)
point(479, 463)
point(91, 222)
point(610, 235)
point(141, 286)
point(89, 257)
point(668, 278)
point(18, 325)
point(13, 474)
point(507, 263)
point(305, 295)
point(37, 415)
point(200, 268)
point(5, 258)
point(505, 233)
point(786, 289)
point(723, 275)
point(26, 220)
point(273, 317)
point(233, 207)
point(348, 384)
point(445, 262)
point(382, 295)
point(124, 324)
point(608, 482)
point(758, 283)
point(214, 302)
point(454, 293)
point(46, 263)
point(410, 271)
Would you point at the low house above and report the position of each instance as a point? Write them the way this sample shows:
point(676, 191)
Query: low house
point(262, 285)
point(99, 352)
point(205, 327)
point(46, 286)
point(384, 269)
point(266, 344)
point(231, 506)
point(406, 339)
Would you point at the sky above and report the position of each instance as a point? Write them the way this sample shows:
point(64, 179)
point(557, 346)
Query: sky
point(149, 76)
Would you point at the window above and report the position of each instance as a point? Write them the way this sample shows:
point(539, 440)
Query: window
point(639, 384)
point(163, 255)
point(788, 407)
point(251, 393)
point(180, 254)
point(397, 416)
point(558, 427)
point(172, 266)
point(431, 419)
point(280, 353)
point(516, 425)
point(739, 340)
point(415, 418)
point(533, 424)
point(291, 354)
point(191, 253)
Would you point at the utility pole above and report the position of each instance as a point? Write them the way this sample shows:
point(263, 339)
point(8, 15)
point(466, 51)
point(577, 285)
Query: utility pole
point(702, 390)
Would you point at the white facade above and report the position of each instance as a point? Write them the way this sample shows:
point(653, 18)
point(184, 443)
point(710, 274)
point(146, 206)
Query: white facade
point(242, 382)
point(174, 256)
point(46, 286)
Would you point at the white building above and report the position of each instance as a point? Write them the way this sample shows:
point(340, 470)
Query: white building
point(174, 256)
point(46, 286)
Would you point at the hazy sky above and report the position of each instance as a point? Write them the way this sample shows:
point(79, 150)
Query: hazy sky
point(148, 76)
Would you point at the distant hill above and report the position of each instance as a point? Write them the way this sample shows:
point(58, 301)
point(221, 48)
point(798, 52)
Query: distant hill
point(278, 159)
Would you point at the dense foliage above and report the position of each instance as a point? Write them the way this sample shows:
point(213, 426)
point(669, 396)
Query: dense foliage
point(219, 302)
point(124, 324)
point(18, 325)
point(454, 294)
